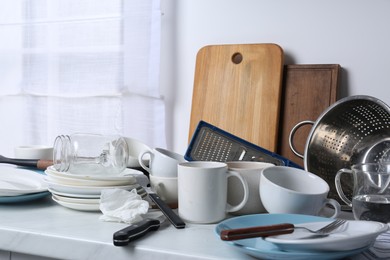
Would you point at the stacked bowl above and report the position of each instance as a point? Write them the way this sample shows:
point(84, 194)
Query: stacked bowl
point(82, 192)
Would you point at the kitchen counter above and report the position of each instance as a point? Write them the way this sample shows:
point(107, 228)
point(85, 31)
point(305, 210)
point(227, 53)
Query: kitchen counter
point(45, 229)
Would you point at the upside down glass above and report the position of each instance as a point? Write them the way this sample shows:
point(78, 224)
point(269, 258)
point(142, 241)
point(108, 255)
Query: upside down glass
point(371, 191)
point(90, 154)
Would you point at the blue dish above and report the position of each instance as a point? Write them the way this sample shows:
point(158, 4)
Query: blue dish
point(23, 198)
point(261, 248)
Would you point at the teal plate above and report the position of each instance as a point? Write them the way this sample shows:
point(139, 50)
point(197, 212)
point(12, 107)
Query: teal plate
point(261, 248)
point(23, 198)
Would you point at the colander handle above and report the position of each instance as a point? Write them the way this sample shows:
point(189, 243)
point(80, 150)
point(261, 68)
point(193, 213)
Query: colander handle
point(292, 133)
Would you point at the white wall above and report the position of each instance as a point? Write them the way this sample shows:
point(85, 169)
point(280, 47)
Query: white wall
point(352, 33)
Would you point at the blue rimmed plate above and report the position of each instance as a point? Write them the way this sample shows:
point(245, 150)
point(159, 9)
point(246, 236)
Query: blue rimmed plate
point(23, 198)
point(261, 248)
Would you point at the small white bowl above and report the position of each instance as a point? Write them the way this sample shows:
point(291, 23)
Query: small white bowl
point(34, 152)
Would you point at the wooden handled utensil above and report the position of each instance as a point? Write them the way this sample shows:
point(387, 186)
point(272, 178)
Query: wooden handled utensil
point(273, 230)
point(34, 163)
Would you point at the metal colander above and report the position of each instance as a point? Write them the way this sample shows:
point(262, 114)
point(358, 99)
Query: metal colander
point(353, 130)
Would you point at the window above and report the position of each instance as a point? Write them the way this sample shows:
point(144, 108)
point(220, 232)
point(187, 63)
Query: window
point(71, 66)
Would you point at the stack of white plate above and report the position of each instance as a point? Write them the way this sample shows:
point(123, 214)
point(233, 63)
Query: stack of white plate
point(82, 192)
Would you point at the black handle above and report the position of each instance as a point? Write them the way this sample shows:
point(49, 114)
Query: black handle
point(31, 163)
point(168, 212)
point(137, 230)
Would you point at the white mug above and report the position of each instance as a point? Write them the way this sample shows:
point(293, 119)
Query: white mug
point(202, 190)
point(291, 190)
point(162, 162)
point(251, 172)
point(165, 187)
point(135, 148)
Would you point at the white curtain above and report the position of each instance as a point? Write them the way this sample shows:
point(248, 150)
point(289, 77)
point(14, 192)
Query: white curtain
point(87, 66)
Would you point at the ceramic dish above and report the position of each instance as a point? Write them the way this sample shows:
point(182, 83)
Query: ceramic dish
point(18, 181)
point(84, 182)
point(91, 190)
point(78, 206)
point(75, 195)
point(261, 248)
point(350, 236)
point(126, 175)
point(76, 200)
point(23, 198)
point(140, 192)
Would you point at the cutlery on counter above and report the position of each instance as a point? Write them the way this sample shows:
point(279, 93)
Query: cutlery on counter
point(278, 229)
point(33, 163)
point(124, 236)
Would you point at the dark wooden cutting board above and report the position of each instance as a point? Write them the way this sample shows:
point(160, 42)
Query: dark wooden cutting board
point(308, 90)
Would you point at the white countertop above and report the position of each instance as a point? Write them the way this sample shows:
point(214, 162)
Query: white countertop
point(45, 228)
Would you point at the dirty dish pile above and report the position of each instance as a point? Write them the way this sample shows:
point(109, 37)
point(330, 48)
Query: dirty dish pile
point(20, 184)
point(82, 192)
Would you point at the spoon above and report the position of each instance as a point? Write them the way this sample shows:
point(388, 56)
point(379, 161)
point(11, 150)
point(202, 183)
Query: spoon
point(34, 163)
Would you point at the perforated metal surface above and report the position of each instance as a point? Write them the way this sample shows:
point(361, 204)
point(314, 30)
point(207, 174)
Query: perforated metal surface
point(210, 143)
point(353, 130)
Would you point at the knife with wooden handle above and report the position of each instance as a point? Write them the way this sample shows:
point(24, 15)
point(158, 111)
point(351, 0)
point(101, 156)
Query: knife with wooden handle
point(33, 163)
point(259, 231)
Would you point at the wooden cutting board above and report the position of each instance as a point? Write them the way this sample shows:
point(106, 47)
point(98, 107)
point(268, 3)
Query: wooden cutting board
point(308, 90)
point(238, 89)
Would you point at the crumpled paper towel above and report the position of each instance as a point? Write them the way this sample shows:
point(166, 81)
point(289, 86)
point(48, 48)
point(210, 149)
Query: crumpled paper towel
point(118, 205)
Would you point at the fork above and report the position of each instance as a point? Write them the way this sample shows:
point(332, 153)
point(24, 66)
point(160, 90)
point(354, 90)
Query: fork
point(278, 229)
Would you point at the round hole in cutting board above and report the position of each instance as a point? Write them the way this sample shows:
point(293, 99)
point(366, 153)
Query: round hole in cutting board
point(237, 58)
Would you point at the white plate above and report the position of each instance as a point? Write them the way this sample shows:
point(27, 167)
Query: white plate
point(78, 206)
point(76, 200)
point(352, 235)
point(91, 190)
point(75, 195)
point(263, 249)
point(84, 182)
point(126, 175)
point(18, 181)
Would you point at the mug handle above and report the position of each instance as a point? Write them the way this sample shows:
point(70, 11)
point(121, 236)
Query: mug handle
point(140, 160)
point(230, 208)
point(335, 205)
point(339, 189)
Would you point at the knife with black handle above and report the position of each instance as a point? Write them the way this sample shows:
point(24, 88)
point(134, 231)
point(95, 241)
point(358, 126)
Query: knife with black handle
point(176, 221)
point(124, 236)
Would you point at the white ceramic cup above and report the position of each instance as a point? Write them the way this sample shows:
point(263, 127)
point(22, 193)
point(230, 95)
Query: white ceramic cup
point(202, 192)
point(251, 172)
point(135, 148)
point(165, 187)
point(162, 162)
point(291, 190)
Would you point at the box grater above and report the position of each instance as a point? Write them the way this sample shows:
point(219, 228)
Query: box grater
point(210, 143)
